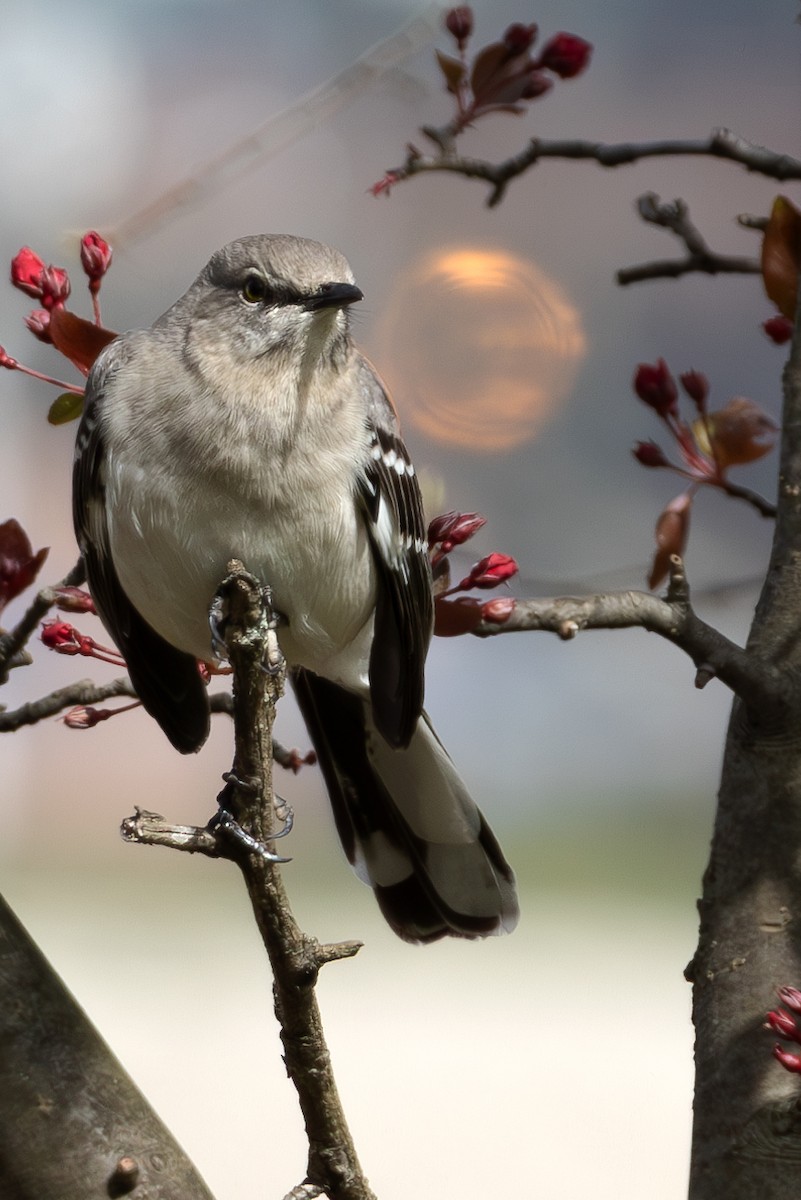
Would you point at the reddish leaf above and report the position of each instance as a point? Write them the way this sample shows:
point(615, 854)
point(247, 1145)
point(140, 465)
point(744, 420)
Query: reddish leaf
point(78, 340)
point(487, 63)
point(672, 529)
point(781, 255)
point(452, 69)
point(740, 433)
point(454, 617)
point(19, 566)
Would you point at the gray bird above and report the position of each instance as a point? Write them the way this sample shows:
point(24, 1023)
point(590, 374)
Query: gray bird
point(245, 424)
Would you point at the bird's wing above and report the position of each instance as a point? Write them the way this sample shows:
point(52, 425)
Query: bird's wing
point(166, 680)
point(393, 510)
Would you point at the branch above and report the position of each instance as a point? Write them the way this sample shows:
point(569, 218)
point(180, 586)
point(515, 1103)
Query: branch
point(674, 215)
point(12, 642)
point(761, 686)
point(85, 692)
point(721, 143)
point(258, 680)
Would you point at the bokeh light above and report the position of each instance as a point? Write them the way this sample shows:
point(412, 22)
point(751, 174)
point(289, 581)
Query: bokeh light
point(480, 347)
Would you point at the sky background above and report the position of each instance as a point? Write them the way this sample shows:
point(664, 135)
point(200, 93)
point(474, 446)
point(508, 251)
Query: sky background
point(510, 351)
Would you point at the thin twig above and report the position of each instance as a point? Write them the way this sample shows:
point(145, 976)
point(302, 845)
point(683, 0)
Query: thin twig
point(674, 215)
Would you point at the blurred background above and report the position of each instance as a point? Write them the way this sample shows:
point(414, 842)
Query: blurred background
point(559, 1058)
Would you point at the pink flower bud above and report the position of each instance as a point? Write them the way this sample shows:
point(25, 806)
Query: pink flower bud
point(791, 997)
point(656, 387)
point(459, 23)
point(74, 599)
point(55, 287)
point(95, 258)
point(566, 55)
point(779, 329)
point(518, 38)
point(7, 361)
point(649, 454)
point(790, 1062)
point(784, 1024)
point(696, 385)
point(38, 322)
point(86, 717)
point(26, 272)
point(499, 609)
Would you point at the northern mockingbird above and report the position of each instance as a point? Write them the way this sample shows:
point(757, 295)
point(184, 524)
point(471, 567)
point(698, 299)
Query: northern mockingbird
point(245, 424)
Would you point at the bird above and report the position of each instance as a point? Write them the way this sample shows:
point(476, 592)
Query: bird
point(245, 423)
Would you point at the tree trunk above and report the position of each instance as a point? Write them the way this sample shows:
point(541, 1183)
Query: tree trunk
point(747, 1129)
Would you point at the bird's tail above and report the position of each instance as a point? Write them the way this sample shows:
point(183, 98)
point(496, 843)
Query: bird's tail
point(407, 822)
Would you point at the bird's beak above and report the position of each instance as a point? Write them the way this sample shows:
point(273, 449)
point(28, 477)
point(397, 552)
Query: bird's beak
point(333, 295)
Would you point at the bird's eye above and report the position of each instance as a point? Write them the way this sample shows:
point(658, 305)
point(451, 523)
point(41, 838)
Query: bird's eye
point(255, 289)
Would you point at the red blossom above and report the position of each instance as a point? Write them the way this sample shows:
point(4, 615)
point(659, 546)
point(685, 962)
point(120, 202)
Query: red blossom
point(38, 322)
point(784, 1024)
point(791, 997)
point(696, 385)
point(7, 361)
point(452, 529)
point(649, 454)
point(26, 272)
point(74, 599)
point(95, 259)
point(656, 387)
point(459, 23)
point(566, 55)
point(779, 329)
point(488, 573)
point(66, 639)
point(19, 566)
point(790, 1062)
point(55, 287)
point(519, 38)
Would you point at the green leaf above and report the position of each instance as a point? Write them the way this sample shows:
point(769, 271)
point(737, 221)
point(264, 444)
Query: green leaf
point(66, 407)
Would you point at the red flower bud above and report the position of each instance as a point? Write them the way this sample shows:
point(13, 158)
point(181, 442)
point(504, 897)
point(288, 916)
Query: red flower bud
point(790, 1062)
point(95, 259)
point(489, 572)
point(60, 636)
point(566, 55)
point(55, 287)
point(38, 322)
point(791, 997)
point(656, 387)
point(537, 84)
point(649, 454)
point(459, 23)
point(26, 272)
point(518, 38)
point(779, 329)
point(499, 609)
point(7, 361)
point(696, 385)
point(453, 529)
point(784, 1024)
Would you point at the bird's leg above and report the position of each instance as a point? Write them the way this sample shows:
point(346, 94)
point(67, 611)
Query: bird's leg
point(218, 621)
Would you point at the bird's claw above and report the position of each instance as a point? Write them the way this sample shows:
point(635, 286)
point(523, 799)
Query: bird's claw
point(223, 822)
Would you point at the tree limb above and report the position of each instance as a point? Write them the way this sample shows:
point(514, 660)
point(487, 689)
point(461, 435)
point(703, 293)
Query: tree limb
point(12, 642)
point(762, 686)
point(258, 679)
point(721, 143)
